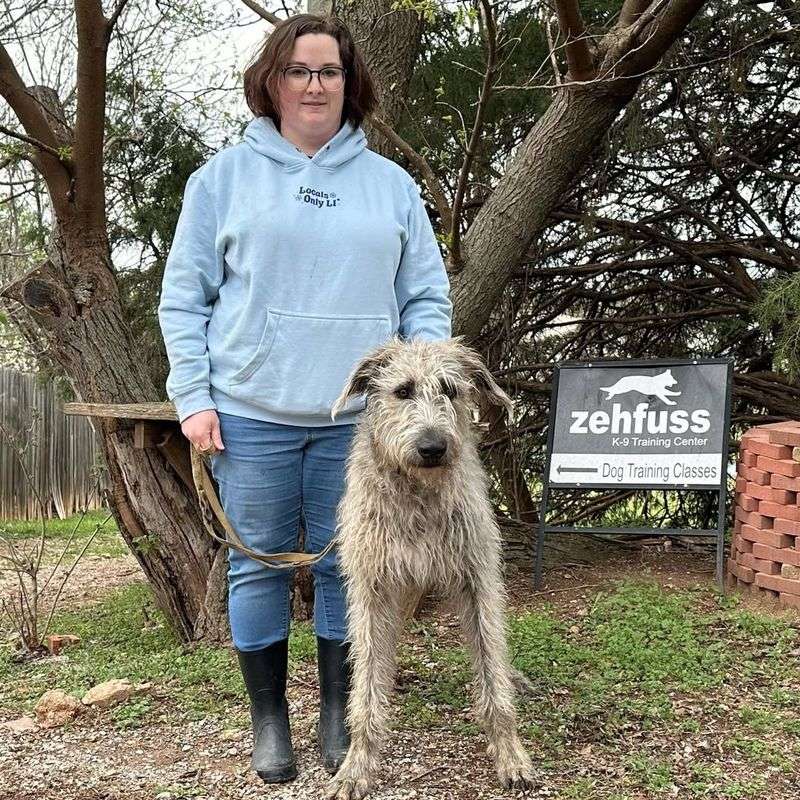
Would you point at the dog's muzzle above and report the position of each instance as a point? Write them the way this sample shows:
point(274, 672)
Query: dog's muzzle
point(432, 450)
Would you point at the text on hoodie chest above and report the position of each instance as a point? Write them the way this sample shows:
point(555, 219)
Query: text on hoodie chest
point(317, 198)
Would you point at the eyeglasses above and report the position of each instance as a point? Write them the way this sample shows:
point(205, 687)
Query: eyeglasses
point(299, 78)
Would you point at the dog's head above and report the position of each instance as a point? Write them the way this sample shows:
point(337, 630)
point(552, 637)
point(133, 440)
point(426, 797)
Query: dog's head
point(420, 399)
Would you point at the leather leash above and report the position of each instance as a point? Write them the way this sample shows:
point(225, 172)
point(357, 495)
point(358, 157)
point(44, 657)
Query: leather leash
point(210, 505)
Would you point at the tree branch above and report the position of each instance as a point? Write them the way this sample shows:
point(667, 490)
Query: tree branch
point(698, 314)
point(781, 176)
point(580, 64)
point(112, 20)
point(551, 46)
point(36, 143)
point(656, 30)
point(422, 166)
point(263, 13)
point(631, 11)
point(29, 112)
point(456, 262)
point(90, 114)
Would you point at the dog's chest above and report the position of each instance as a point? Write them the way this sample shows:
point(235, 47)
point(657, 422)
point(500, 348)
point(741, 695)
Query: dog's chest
point(426, 552)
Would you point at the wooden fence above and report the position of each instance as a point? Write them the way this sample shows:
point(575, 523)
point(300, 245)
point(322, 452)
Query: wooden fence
point(59, 453)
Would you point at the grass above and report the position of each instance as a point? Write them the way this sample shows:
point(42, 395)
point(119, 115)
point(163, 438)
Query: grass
point(126, 636)
point(647, 692)
point(646, 666)
point(108, 542)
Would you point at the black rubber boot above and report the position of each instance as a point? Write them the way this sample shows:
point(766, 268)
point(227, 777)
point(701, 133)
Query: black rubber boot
point(264, 673)
point(334, 688)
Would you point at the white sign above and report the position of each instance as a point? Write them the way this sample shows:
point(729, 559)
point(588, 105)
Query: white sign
point(650, 423)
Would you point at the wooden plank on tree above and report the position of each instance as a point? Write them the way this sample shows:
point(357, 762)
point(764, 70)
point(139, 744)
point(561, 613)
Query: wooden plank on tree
point(164, 411)
point(150, 433)
point(176, 450)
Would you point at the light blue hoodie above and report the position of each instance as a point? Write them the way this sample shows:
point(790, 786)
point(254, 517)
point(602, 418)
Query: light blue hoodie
point(285, 270)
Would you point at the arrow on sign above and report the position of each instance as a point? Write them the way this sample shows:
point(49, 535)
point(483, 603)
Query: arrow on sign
point(560, 469)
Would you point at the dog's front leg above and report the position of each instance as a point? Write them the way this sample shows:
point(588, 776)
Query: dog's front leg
point(481, 607)
point(373, 624)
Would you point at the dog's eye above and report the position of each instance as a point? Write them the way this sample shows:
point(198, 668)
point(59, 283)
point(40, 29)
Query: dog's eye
point(405, 391)
point(448, 389)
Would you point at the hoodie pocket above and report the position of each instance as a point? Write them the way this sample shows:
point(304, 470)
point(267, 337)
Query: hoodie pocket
point(303, 360)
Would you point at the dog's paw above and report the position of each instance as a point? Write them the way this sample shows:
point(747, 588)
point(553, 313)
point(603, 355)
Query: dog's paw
point(519, 778)
point(347, 788)
point(515, 771)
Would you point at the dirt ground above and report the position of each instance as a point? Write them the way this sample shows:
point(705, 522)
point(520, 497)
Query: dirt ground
point(93, 760)
point(93, 577)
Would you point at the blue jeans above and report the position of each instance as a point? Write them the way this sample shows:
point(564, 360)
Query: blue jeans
point(268, 475)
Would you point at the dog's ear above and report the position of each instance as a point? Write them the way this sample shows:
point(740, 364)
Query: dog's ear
point(478, 374)
point(362, 374)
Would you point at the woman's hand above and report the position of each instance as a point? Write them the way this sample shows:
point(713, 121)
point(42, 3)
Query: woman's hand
point(202, 430)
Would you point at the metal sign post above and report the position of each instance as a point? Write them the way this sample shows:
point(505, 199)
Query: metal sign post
point(649, 425)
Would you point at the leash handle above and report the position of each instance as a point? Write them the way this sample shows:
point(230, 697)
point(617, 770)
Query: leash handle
point(210, 505)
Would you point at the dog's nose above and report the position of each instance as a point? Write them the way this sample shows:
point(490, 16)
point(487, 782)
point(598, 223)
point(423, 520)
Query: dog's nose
point(432, 447)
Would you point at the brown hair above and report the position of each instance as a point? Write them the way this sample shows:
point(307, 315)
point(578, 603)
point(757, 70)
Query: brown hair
point(262, 76)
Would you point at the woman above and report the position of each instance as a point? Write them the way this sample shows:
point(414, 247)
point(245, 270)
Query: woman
point(297, 251)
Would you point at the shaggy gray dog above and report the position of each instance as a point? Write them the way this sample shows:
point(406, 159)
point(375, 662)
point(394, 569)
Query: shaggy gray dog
point(416, 515)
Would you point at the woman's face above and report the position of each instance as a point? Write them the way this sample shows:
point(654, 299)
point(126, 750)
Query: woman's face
point(314, 110)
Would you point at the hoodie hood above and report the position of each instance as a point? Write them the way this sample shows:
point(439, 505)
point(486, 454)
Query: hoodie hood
point(262, 135)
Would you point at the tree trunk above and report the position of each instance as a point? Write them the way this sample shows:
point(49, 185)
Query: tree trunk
point(73, 298)
point(389, 41)
point(552, 155)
